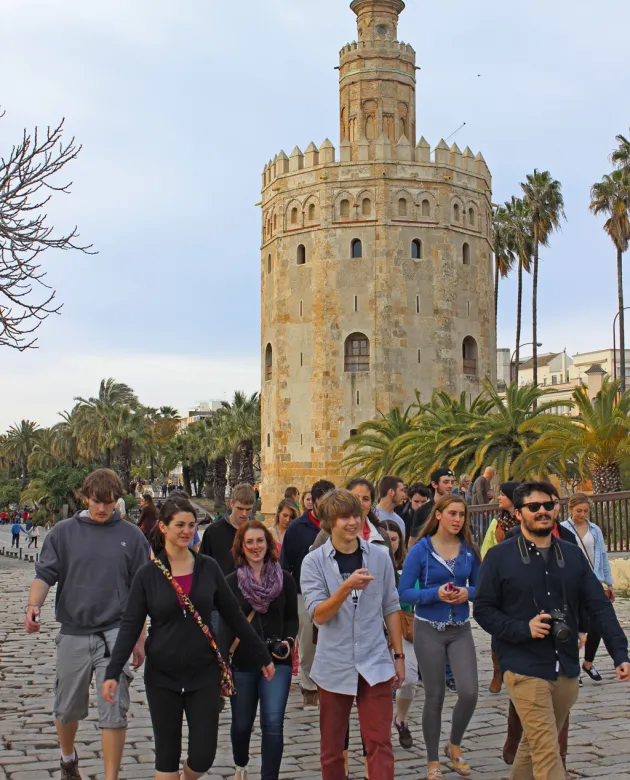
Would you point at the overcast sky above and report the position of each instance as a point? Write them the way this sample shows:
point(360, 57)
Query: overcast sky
point(178, 107)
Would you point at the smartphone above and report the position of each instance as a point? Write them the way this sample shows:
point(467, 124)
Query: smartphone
point(450, 587)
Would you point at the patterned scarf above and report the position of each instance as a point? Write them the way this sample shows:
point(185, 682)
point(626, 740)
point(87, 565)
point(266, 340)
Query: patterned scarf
point(505, 523)
point(260, 594)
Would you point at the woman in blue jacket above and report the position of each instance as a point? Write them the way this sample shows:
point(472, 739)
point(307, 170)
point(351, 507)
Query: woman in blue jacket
point(445, 563)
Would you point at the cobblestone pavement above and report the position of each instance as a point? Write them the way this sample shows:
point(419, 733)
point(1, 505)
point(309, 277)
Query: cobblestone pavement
point(599, 738)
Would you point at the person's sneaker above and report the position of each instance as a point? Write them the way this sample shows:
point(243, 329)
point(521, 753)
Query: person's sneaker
point(450, 684)
point(310, 699)
point(404, 735)
point(70, 769)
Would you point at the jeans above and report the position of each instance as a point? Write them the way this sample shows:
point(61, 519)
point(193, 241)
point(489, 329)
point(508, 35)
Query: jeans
point(15, 540)
point(251, 687)
point(306, 648)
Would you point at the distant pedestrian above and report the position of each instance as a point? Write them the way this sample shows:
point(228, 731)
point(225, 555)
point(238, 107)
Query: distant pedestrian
point(164, 489)
point(307, 501)
point(287, 512)
point(16, 530)
point(121, 508)
point(391, 493)
point(482, 489)
point(442, 483)
point(33, 535)
point(292, 494)
point(148, 515)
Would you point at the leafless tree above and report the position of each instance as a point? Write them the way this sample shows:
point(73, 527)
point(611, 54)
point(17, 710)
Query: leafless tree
point(27, 183)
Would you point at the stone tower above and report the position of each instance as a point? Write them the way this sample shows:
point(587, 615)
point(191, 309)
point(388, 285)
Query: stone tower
point(376, 267)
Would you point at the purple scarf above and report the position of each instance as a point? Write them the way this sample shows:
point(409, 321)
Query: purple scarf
point(260, 595)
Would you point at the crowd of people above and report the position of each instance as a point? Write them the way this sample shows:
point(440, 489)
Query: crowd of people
point(362, 591)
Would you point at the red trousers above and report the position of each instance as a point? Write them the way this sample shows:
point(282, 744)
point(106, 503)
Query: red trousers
point(376, 712)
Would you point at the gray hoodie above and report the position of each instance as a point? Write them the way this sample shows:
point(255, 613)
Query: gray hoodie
point(92, 565)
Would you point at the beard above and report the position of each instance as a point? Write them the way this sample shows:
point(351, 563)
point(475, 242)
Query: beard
point(534, 529)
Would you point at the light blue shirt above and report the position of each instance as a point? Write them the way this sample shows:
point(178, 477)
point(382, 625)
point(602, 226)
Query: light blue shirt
point(601, 564)
point(383, 515)
point(353, 642)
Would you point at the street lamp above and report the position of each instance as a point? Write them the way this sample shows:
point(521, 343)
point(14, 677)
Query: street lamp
point(526, 344)
point(625, 308)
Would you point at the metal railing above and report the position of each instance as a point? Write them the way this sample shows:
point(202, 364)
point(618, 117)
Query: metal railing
point(610, 511)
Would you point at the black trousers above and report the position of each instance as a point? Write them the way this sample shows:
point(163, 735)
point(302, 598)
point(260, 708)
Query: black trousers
point(167, 708)
point(592, 643)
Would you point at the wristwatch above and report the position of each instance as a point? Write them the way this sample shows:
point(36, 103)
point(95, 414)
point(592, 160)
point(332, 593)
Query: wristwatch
point(399, 656)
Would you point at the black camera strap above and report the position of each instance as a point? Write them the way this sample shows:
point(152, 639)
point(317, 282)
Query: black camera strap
point(525, 558)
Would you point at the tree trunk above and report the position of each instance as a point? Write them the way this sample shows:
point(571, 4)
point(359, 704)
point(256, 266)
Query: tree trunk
point(235, 468)
point(219, 481)
point(210, 467)
point(607, 479)
point(24, 474)
point(151, 467)
point(186, 478)
point(622, 334)
point(108, 458)
point(124, 463)
point(496, 292)
point(535, 309)
point(519, 309)
point(246, 461)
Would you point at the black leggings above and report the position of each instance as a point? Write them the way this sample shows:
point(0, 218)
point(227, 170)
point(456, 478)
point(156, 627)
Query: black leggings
point(202, 715)
point(592, 643)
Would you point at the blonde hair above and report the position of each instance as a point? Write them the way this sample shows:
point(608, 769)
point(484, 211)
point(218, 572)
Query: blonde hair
point(286, 503)
point(577, 499)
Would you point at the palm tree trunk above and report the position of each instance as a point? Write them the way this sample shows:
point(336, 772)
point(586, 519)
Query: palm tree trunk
point(235, 468)
point(246, 461)
point(186, 478)
point(496, 293)
point(151, 467)
point(607, 479)
point(622, 334)
point(24, 474)
point(220, 481)
point(535, 309)
point(519, 310)
point(124, 463)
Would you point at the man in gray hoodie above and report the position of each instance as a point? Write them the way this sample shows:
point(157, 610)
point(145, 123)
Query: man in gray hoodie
point(92, 558)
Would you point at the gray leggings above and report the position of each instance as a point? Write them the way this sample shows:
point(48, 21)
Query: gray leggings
point(432, 648)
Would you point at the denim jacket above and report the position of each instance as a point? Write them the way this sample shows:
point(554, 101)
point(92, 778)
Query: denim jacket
point(353, 642)
point(424, 565)
point(601, 564)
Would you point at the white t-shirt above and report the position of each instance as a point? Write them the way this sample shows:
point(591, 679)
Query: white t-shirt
point(120, 507)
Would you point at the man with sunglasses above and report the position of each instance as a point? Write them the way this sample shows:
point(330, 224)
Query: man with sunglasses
point(528, 596)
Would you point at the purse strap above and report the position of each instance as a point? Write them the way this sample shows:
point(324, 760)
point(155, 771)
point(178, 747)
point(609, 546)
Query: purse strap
point(235, 643)
point(581, 543)
point(227, 682)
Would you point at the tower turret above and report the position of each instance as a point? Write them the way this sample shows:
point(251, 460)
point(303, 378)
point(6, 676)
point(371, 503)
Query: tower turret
point(377, 80)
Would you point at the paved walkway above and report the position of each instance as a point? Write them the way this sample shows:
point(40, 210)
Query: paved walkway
point(599, 739)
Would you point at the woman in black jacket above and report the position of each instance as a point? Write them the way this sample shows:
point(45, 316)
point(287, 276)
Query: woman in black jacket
point(268, 596)
point(184, 670)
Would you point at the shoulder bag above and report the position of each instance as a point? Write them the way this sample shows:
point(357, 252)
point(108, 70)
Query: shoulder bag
point(608, 591)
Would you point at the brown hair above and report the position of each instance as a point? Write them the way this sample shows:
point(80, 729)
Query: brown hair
point(401, 552)
point(577, 499)
point(239, 541)
point(433, 522)
point(168, 510)
point(286, 504)
point(335, 504)
point(103, 485)
point(292, 493)
point(244, 494)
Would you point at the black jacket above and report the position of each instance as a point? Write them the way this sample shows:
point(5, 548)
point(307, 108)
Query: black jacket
point(565, 534)
point(217, 541)
point(297, 542)
point(421, 516)
point(510, 593)
point(280, 620)
point(178, 653)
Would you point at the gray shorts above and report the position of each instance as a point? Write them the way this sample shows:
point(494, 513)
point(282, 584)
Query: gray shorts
point(79, 658)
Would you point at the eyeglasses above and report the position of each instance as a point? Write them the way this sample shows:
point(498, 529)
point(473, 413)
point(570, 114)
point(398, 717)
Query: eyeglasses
point(535, 506)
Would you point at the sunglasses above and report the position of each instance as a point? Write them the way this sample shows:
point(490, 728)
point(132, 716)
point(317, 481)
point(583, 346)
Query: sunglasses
point(535, 506)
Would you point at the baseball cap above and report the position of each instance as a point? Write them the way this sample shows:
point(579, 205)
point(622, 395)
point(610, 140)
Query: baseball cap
point(437, 474)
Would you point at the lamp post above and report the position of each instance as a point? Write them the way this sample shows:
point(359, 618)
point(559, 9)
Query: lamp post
point(625, 308)
point(526, 344)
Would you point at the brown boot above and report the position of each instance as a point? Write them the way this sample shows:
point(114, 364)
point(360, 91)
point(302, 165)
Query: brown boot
point(563, 742)
point(497, 677)
point(513, 738)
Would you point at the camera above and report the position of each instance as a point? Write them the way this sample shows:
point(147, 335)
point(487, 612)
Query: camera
point(560, 630)
point(277, 648)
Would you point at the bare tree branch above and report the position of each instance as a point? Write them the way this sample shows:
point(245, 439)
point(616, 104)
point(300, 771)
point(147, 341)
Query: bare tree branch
point(26, 187)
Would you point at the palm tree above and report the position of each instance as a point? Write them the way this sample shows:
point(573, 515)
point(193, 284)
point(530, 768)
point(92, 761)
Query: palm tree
point(621, 155)
point(126, 429)
point(597, 440)
point(66, 433)
point(96, 415)
point(371, 454)
point(241, 426)
point(21, 439)
point(504, 256)
point(519, 239)
point(611, 196)
point(543, 197)
point(44, 454)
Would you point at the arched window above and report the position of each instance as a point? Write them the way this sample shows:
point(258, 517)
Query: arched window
point(301, 255)
point(356, 247)
point(366, 207)
point(269, 264)
point(402, 207)
point(469, 355)
point(344, 209)
point(416, 249)
point(455, 212)
point(357, 353)
point(466, 254)
point(268, 362)
point(294, 216)
point(471, 216)
point(426, 208)
point(311, 212)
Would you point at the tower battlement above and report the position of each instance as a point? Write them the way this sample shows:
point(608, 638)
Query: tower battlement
point(387, 47)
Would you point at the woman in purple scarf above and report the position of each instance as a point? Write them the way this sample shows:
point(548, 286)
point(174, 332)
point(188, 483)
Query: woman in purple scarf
point(268, 597)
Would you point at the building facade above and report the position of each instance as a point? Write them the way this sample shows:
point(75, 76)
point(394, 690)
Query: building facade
point(376, 266)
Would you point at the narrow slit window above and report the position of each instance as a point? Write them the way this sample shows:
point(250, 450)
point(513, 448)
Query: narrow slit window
point(419, 356)
point(356, 303)
point(356, 248)
point(301, 308)
point(358, 398)
point(417, 304)
point(416, 249)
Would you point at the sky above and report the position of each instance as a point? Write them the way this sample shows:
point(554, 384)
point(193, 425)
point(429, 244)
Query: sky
point(179, 106)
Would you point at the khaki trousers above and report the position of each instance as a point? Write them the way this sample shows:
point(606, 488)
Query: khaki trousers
point(543, 707)
point(306, 648)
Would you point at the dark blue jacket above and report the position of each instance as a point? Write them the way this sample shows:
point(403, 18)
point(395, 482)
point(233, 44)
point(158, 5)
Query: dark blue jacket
point(298, 540)
point(424, 567)
point(510, 593)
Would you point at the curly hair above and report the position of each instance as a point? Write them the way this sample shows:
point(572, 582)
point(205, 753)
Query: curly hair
point(239, 542)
